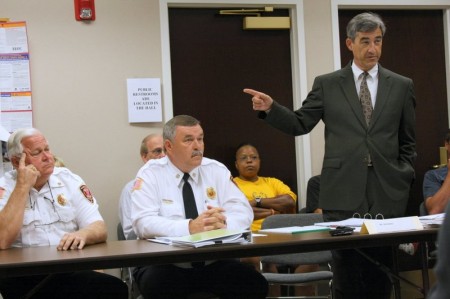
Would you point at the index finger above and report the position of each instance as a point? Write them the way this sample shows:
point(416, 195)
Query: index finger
point(22, 160)
point(251, 91)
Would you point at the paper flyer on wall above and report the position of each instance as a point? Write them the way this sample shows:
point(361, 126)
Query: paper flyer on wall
point(15, 79)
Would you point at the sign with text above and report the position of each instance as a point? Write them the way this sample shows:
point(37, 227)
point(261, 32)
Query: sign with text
point(391, 225)
point(144, 100)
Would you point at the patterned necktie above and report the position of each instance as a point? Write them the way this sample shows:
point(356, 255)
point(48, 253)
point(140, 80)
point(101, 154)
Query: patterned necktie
point(190, 208)
point(366, 104)
point(364, 98)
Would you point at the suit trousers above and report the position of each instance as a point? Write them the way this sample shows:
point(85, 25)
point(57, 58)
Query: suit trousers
point(354, 275)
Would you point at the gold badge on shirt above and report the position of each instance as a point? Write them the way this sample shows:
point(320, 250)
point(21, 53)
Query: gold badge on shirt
point(211, 193)
point(62, 200)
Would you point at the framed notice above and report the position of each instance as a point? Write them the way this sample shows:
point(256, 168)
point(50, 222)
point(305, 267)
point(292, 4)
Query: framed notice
point(144, 100)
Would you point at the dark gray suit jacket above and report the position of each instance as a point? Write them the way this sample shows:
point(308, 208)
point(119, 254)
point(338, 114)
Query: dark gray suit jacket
point(390, 138)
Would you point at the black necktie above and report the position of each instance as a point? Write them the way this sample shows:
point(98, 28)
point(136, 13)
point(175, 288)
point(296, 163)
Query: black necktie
point(190, 208)
point(364, 97)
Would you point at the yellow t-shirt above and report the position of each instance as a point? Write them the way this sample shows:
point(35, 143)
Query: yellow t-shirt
point(264, 187)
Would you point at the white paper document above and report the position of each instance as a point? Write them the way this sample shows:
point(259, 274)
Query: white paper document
point(353, 222)
point(432, 220)
point(144, 100)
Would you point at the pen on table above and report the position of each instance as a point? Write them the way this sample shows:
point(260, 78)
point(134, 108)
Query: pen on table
point(310, 231)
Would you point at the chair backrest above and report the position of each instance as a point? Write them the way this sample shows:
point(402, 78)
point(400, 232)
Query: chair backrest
point(307, 258)
point(120, 234)
point(132, 235)
point(423, 209)
point(312, 194)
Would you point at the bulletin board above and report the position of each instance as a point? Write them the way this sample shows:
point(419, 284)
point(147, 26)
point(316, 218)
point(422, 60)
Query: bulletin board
point(15, 80)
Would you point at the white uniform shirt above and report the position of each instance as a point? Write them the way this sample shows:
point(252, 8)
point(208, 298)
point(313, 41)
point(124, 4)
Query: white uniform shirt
point(157, 200)
point(125, 208)
point(61, 206)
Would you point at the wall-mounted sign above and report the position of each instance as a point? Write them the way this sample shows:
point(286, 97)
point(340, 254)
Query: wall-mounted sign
point(144, 100)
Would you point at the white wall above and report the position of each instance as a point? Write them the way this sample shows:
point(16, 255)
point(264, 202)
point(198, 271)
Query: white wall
point(79, 73)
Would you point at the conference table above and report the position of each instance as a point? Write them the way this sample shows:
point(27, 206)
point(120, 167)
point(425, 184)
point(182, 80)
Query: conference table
point(117, 254)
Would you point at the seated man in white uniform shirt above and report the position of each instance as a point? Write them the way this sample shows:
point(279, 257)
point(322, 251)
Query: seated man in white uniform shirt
point(158, 210)
point(151, 148)
point(41, 205)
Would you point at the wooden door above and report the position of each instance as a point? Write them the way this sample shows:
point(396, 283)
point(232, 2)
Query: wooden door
point(213, 60)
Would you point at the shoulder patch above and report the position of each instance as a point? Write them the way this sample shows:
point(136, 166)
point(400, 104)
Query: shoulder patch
point(2, 192)
point(87, 193)
point(137, 184)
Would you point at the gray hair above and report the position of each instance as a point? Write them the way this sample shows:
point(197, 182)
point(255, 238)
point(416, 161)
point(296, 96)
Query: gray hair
point(365, 22)
point(15, 147)
point(179, 120)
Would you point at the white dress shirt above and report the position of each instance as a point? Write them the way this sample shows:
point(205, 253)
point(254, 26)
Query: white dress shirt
point(157, 201)
point(62, 206)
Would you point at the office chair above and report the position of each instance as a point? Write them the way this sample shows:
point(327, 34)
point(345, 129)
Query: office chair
point(126, 274)
point(308, 258)
point(422, 209)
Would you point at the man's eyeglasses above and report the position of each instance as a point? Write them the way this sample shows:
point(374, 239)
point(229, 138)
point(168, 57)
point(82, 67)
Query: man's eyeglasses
point(157, 151)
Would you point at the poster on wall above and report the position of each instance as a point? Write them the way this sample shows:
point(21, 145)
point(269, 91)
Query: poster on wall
point(144, 100)
point(15, 79)
point(15, 84)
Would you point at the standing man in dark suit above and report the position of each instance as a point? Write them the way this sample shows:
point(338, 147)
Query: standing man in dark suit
point(368, 162)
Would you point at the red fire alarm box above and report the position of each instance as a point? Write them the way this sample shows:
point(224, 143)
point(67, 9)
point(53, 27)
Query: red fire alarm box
point(84, 10)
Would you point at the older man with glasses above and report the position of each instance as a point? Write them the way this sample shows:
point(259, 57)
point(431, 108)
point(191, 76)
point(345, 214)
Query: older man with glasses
point(151, 148)
point(44, 205)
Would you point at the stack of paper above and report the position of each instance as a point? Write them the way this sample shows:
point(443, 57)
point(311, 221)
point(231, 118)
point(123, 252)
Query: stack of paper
point(353, 222)
point(432, 220)
point(213, 237)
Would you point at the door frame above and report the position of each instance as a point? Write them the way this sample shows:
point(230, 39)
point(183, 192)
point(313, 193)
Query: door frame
point(443, 5)
point(298, 60)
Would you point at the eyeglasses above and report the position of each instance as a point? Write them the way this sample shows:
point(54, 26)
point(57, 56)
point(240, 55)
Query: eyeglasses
point(157, 151)
point(52, 201)
point(245, 158)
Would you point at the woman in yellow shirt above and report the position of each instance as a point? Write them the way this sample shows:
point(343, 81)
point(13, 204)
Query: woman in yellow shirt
point(267, 196)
